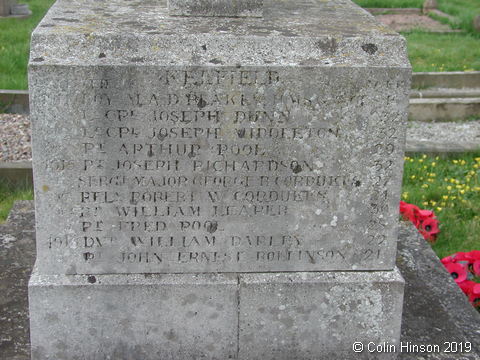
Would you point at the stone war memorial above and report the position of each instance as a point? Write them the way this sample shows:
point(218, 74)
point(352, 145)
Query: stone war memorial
point(216, 179)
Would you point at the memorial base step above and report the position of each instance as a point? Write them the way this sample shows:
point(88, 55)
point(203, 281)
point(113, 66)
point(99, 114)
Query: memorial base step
point(309, 315)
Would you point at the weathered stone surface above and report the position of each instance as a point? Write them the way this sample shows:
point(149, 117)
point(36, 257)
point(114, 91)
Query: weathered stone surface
point(319, 315)
point(238, 8)
point(170, 144)
point(306, 33)
point(436, 312)
point(126, 317)
point(444, 109)
point(244, 316)
point(17, 255)
point(216, 150)
point(443, 137)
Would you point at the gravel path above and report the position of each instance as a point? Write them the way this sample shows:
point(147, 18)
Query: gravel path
point(15, 137)
point(468, 131)
point(443, 136)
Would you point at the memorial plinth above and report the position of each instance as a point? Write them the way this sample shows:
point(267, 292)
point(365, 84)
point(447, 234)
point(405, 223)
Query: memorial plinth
point(197, 169)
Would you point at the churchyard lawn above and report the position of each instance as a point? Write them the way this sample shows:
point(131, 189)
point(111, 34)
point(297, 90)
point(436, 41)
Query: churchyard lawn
point(15, 43)
point(441, 52)
point(463, 10)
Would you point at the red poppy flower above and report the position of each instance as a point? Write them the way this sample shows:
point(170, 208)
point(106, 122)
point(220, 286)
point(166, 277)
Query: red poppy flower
point(447, 260)
point(429, 229)
point(460, 256)
point(476, 268)
point(404, 206)
point(459, 265)
point(474, 299)
point(476, 289)
point(467, 286)
point(424, 220)
point(473, 255)
point(425, 214)
point(457, 271)
point(410, 212)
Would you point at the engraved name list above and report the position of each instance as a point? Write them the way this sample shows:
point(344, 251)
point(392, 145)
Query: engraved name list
point(201, 170)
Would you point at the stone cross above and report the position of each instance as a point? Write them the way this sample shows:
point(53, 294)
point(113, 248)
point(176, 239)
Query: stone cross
point(226, 8)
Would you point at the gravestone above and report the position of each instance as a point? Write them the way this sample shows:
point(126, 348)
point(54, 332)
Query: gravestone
point(217, 181)
point(5, 7)
point(476, 23)
point(429, 5)
point(10, 8)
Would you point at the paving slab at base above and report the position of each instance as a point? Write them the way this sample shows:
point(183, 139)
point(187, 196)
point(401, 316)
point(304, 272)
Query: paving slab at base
point(451, 79)
point(443, 137)
point(436, 148)
point(443, 109)
point(17, 255)
point(16, 172)
point(14, 101)
point(444, 93)
point(186, 316)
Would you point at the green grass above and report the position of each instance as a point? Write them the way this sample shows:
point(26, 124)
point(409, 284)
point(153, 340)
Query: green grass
point(449, 186)
point(389, 3)
point(14, 45)
point(464, 11)
point(9, 193)
point(443, 52)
